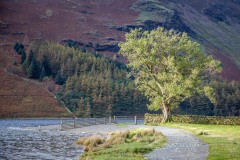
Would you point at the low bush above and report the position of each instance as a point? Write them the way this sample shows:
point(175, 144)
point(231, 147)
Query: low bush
point(155, 119)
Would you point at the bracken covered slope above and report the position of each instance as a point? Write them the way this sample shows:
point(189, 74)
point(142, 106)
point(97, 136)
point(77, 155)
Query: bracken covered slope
point(21, 98)
point(101, 24)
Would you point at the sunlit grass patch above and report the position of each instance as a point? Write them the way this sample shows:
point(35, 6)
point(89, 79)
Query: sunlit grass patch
point(121, 124)
point(122, 145)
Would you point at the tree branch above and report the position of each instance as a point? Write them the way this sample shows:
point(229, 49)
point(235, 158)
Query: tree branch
point(158, 84)
point(184, 98)
point(153, 89)
point(155, 79)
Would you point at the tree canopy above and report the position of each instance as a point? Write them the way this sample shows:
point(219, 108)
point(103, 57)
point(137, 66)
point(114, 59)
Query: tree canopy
point(168, 67)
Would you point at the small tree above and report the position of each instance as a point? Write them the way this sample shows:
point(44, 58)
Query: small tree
point(43, 74)
point(33, 70)
point(46, 64)
point(18, 47)
point(23, 57)
point(80, 112)
point(168, 67)
point(88, 111)
point(58, 79)
point(28, 60)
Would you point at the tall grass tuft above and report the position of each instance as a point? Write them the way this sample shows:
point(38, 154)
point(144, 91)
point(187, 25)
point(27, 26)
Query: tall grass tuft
point(118, 137)
point(90, 143)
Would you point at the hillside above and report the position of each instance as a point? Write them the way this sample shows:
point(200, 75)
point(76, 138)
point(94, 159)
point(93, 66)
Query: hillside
point(99, 25)
point(21, 97)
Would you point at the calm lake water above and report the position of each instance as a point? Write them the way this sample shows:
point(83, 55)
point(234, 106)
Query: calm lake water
point(18, 143)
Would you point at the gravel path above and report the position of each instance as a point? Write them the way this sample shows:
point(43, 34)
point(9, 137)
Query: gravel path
point(181, 145)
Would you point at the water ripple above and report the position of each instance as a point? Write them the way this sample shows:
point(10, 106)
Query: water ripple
point(18, 143)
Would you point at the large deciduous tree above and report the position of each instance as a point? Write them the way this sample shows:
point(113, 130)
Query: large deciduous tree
point(168, 67)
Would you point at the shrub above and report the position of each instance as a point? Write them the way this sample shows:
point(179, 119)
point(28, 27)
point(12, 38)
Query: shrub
point(90, 143)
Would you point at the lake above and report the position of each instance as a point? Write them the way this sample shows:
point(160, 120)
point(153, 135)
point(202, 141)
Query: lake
point(17, 143)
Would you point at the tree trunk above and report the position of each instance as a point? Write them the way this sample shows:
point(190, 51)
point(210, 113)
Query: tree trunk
point(167, 117)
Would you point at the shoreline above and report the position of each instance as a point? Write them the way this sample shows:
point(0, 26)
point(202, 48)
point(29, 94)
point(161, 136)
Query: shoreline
point(181, 144)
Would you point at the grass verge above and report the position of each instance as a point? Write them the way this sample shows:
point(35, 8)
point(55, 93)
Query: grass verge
point(121, 124)
point(128, 145)
point(223, 140)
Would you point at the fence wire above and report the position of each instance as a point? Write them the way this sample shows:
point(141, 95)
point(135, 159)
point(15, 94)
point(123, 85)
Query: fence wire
point(67, 124)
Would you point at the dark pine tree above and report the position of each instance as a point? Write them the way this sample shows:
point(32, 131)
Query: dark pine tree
point(46, 65)
point(23, 57)
point(58, 79)
point(33, 70)
point(18, 47)
point(43, 74)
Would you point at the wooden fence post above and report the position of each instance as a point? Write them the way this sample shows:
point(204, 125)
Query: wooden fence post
point(135, 120)
point(61, 125)
point(114, 119)
point(74, 123)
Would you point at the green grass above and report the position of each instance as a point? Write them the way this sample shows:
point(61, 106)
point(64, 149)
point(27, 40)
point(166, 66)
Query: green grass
point(128, 145)
point(223, 140)
point(125, 151)
point(121, 124)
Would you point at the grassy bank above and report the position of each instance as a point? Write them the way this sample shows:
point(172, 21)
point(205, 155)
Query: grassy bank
point(223, 140)
point(128, 145)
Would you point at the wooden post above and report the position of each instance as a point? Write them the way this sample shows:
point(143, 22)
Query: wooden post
point(74, 123)
point(61, 125)
point(135, 120)
point(114, 119)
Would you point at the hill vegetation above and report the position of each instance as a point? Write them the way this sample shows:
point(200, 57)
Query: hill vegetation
point(91, 84)
point(23, 98)
point(227, 98)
